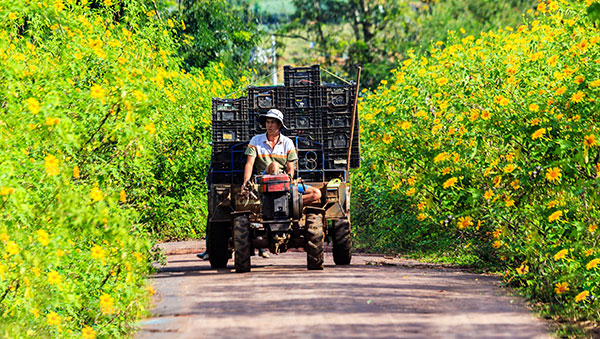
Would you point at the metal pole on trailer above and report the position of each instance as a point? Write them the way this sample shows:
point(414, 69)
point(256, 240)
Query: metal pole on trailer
point(274, 60)
point(353, 124)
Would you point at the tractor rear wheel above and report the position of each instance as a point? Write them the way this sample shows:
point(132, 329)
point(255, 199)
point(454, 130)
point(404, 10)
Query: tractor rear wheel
point(217, 244)
point(241, 242)
point(342, 242)
point(314, 241)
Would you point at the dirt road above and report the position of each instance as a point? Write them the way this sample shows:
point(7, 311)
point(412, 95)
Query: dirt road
point(375, 297)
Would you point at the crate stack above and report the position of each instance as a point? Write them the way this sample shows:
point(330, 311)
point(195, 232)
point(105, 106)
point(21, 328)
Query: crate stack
point(229, 129)
point(318, 118)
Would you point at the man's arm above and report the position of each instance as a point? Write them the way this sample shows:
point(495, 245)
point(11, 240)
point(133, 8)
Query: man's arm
point(289, 168)
point(248, 170)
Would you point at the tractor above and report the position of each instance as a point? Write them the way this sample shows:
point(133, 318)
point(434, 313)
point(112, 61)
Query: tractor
point(270, 213)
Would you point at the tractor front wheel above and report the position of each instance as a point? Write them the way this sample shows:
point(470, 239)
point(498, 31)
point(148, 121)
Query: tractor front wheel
point(314, 241)
point(241, 242)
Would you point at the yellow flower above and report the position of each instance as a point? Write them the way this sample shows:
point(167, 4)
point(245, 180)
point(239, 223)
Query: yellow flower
point(97, 92)
point(123, 196)
point(555, 216)
point(43, 237)
point(592, 229)
point(553, 174)
point(582, 296)
point(560, 90)
point(387, 139)
point(88, 332)
point(509, 202)
point(523, 269)
point(98, 252)
point(577, 97)
point(561, 287)
point(465, 222)
point(595, 83)
point(52, 121)
point(59, 5)
point(53, 319)
point(450, 182)
point(33, 105)
point(497, 180)
point(488, 194)
point(538, 134)
point(76, 171)
point(6, 190)
point(441, 157)
point(51, 164)
point(107, 304)
point(534, 107)
point(12, 15)
point(54, 277)
point(405, 125)
point(411, 191)
point(12, 248)
point(485, 115)
point(501, 100)
point(496, 244)
point(96, 194)
point(552, 60)
point(590, 141)
point(593, 264)
point(509, 168)
point(561, 254)
point(589, 252)
point(150, 128)
point(441, 81)
point(108, 2)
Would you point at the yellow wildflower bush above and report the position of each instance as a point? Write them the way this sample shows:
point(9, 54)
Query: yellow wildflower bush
point(102, 135)
point(502, 132)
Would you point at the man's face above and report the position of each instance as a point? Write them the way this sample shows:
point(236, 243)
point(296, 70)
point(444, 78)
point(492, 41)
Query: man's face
point(272, 125)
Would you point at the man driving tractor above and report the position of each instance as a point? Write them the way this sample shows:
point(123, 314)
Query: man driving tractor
point(273, 152)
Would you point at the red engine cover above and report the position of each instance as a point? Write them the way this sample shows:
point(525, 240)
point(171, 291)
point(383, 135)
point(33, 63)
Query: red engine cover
point(275, 183)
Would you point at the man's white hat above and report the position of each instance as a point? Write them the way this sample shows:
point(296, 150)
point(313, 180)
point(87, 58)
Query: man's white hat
point(272, 113)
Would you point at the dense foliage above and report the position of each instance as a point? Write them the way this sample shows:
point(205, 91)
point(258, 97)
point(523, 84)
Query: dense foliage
point(376, 34)
point(488, 146)
point(102, 137)
point(219, 30)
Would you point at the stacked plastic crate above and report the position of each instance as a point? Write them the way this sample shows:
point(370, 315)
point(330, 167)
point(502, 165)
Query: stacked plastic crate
point(229, 130)
point(318, 118)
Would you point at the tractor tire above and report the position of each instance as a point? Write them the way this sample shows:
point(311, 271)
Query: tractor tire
point(314, 241)
point(217, 244)
point(241, 242)
point(342, 242)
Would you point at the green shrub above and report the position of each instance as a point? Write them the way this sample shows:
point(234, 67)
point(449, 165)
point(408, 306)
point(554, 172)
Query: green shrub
point(102, 137)
point(492, 141)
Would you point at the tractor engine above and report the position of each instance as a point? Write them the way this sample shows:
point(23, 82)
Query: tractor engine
point(281, 204)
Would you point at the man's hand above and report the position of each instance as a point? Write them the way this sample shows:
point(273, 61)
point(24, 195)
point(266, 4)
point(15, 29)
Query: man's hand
point(245, 190)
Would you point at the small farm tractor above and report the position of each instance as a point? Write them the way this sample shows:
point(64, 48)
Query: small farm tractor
point(323, 124)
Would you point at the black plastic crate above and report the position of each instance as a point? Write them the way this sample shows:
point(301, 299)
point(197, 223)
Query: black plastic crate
point(339, 96)
point(266, 97)
point(303, 97)
point(336, 118)
point(229, 132)
point(303, 118)
point(311, 176)
point(232, 110)
point(337, 159)
point(302, 76)
point(255, 126)
point(314, 134)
